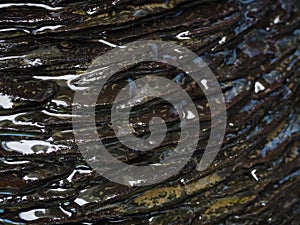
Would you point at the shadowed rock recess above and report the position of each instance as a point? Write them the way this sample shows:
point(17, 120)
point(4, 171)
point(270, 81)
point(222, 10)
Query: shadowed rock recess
point(251, 46)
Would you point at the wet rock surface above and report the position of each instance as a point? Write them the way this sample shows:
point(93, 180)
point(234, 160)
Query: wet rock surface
point(251, 46)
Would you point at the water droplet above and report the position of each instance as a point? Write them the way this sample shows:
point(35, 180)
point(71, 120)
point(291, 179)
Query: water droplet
point(31, 146)
point(254, 175)
point(277, 20)
point(258, 87)
point(190, 115)
point(5, 101)
point(222, 41)
point(32, 214)
point(204, 83)
point(80, 201)
point(36, 62)
point(183, 35)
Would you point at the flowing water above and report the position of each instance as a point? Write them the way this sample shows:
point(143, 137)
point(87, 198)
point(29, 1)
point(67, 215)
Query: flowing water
point(251, 46)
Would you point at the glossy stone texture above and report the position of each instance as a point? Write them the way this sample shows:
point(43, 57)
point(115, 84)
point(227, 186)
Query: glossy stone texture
point(251, 46)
